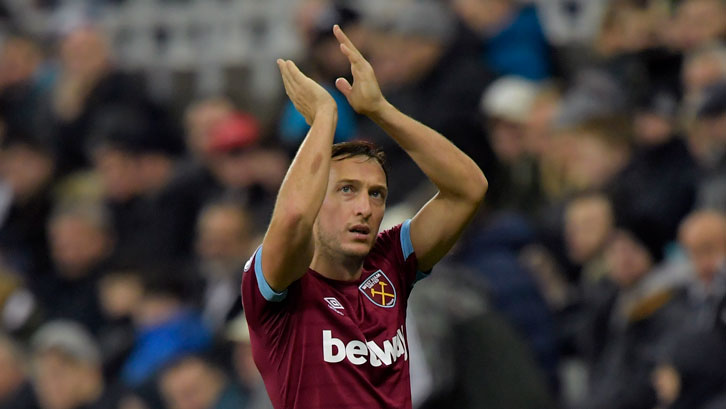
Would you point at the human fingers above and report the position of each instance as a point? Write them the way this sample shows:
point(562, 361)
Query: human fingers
point(343, 86)
point(285, 74)
point(295, 73)
point(347, 46)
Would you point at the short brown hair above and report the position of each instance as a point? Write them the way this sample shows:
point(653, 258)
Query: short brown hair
point(345, 150)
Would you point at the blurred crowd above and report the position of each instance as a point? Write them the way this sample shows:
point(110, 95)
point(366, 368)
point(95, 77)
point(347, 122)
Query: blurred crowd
point(593, 277)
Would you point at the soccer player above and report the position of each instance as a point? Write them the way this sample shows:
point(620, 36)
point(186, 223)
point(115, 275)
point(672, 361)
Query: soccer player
point(325, 295)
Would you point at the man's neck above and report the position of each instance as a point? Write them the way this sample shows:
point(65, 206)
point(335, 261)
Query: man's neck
point(342, 268)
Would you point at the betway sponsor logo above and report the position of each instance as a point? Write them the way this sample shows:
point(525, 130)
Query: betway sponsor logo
point(359, 352)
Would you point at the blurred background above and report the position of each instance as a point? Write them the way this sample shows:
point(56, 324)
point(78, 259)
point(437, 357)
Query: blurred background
point(142, 143)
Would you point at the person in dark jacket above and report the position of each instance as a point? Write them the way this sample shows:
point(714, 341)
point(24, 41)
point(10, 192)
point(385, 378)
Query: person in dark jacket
point(137, 166)
point(88, 84)
point(81, 240)
point(703, 236)
point(695, 375)
point(657, 188)
point(628, 328)
point(26, 180)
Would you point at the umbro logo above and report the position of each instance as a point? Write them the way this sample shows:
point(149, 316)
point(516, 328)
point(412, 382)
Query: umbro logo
point(334, 304)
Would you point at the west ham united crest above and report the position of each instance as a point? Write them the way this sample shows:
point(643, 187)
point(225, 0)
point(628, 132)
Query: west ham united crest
point(379, 289)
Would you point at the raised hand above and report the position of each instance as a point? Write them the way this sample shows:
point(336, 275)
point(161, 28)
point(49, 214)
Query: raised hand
point(307, 95)
point(364, 95)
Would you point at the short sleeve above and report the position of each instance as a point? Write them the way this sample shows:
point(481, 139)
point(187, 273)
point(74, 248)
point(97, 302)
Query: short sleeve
point(394, 245)
point(259, 300)
point(407, 248)
point(255, 263)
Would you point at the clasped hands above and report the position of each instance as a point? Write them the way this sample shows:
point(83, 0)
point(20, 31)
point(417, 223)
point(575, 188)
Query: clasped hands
point(309, 97)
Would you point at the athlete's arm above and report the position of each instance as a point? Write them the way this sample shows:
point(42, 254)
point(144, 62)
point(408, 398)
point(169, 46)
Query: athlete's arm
point(460, 182)
point(287, 248)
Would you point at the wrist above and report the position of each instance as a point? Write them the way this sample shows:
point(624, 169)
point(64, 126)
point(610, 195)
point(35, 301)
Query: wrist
point(379, 112)
point(328, 108)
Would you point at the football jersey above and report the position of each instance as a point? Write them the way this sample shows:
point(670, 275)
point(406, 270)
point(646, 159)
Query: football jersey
point(324, 343)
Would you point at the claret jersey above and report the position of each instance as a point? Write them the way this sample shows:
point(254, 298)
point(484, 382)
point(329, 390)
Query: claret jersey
point(323, 343)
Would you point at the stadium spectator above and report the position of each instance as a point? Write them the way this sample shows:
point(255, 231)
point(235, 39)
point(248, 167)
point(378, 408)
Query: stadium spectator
point(23, 84)
point(87, 85)
point(589, 224)
point(694, 376)
point(234, 161)
point(120, 291)
point(15, 389)
point(167, 327)
point(707, 143)
point(136, 163)
point(81, 240)
point(698, 23)
point(19, 60)
point(225, 235)
point(511, 35)
point(191, 382)
point(657, 188)
point(703, 236)
point(628, 327)
point(702, 67)
point(66, 368)
point(246, 373)
point(598, 151)
point(493, 251)
point(506, 105)
point(200, 118)
point(454, 305)
point(26, 179)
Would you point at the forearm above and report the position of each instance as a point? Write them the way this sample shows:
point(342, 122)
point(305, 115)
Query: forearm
point(303, 188)
point(288, 244)
point(454, 173)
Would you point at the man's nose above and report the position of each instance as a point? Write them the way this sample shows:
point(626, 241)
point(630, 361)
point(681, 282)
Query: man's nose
point(363, 206)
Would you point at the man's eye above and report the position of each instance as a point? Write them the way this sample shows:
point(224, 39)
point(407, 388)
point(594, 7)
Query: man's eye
point(346, 189)
point(376, 194)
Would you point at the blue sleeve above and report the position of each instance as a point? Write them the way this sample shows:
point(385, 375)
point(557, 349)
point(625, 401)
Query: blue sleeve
point(265, 289)
point(407, 247)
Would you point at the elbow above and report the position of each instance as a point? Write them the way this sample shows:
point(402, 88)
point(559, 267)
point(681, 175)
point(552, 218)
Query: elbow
point(469, 191)
point(479, 188)
point(292, 219)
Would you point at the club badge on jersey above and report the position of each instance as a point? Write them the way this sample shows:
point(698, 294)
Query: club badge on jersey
point(379, 290)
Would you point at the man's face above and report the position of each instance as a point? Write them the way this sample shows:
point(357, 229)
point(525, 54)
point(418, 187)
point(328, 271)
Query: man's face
point(704, 239)
point(353, 207)
point(11, 372)
point(507, 139)
point(699, 22)
point(58, 380)
point(76, 245)
point(588, 222)
point(85, 52)
point(193, 385)
point(629, 261)
point(223, 235)
point(25, 169)
point(119, 173)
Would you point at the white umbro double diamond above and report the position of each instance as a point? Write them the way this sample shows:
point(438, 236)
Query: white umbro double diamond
point(334, 304)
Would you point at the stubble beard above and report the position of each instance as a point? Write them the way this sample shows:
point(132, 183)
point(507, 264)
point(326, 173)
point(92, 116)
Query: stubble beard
point(331, 248)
